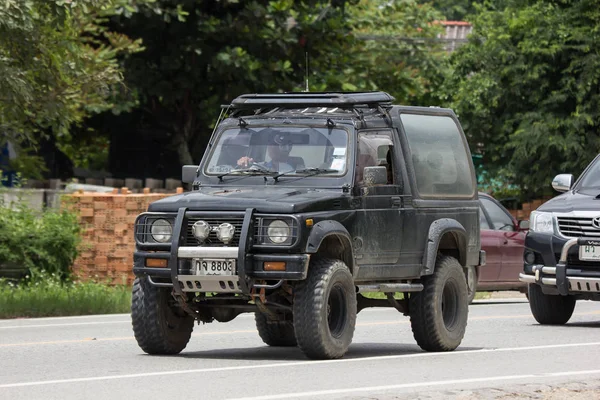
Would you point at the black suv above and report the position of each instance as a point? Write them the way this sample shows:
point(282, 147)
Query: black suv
point(302, 202)
point(562, 248)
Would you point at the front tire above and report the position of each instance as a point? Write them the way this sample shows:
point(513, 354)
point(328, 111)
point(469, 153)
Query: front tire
point(275, 333)
point(158, 325)
point(439, 313)
point(325, 310)
point(550, 309)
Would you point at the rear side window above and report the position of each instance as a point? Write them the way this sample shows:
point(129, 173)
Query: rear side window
point(440, 159)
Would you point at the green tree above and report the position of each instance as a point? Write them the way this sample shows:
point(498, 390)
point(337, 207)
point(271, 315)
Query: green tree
point(453, 10)
point(58, 65)
point(225, 48)
point(526, 88)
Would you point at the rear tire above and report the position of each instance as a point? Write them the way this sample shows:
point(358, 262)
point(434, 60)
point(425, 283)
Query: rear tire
point(275, 333)
point(325, 310)
point(550, 309)
point(158, 325)
point(439, 313)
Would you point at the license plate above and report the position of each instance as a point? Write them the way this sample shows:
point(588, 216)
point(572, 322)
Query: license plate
point(589, 253)
point(221, 267)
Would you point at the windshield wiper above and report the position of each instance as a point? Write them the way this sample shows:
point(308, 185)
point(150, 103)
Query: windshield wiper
point(306, 172)
point(252, 171)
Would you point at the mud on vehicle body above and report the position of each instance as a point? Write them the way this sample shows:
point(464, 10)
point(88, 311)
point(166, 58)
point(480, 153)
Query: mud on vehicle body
point(562, 248)
point(301, 203)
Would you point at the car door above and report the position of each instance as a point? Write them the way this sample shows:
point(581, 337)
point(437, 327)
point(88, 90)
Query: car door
point(491, 243)
point(512, 245)
point(378, 229)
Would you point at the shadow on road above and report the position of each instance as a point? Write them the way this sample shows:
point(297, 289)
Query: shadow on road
point(266, 353)
point(587, 324)
point(491, 301)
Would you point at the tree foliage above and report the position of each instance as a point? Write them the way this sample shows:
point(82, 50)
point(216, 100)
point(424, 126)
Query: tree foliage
point(221, 49)
point(526, 88)
point(58, 64)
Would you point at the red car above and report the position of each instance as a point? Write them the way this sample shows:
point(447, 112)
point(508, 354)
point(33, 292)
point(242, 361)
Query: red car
point(503, 239)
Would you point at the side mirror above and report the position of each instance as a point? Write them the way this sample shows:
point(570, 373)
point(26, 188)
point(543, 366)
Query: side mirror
point(373, 176)
point(189, 173)
point(562, 182)
point(523, 225)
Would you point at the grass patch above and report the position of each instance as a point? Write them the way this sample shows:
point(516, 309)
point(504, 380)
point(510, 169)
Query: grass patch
point(381, 295)
point(399, 296)
point(51, 297)
point(483, 295)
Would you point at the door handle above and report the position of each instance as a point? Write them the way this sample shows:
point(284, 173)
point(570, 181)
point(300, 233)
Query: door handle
point(396, 202)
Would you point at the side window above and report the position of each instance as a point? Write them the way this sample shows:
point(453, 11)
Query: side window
point(500, 219)
point(440, 159)
point(483, 223)
point(374, 149)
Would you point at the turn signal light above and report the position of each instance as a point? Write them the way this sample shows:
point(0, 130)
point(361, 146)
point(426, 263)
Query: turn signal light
point(274, 266)
point(156, 262)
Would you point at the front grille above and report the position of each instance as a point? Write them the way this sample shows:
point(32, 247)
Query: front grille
point(212, 239)
point(575, 227)
point(573, 261)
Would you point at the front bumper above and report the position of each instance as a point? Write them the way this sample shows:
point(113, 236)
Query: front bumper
point(563, 277)
point(179, 270)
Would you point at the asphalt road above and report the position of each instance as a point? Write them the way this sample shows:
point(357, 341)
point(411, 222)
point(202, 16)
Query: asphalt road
point(505, 353)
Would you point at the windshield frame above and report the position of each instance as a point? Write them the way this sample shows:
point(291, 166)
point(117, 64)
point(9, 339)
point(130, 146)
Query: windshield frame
point(324, 181)
point(345, 175)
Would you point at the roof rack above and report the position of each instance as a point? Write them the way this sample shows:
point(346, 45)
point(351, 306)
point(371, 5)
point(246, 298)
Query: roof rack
point(307, 99)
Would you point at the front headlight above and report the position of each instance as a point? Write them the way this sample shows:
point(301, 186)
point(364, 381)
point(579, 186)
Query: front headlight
point(278, 231)
point(161, 230)
point(542, 222)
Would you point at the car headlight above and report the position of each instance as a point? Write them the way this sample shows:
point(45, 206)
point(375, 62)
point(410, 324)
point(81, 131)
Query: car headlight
point(542, 222)
point(225, 232)
point(161, 230)
point(278, 231)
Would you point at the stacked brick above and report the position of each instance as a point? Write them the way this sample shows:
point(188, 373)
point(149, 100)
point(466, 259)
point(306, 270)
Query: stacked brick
point(107, 222)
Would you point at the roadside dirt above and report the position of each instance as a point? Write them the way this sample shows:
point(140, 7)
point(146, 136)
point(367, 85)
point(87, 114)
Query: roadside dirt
point(570, 391)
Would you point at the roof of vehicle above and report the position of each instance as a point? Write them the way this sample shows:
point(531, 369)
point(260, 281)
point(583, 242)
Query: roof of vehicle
point(312, 99)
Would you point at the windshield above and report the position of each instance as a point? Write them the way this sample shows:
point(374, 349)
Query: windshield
point(280, 149)
point(591, 179)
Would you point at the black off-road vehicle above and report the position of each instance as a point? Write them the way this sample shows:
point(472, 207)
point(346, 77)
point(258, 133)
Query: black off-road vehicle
point(302, 202)
point(562, 248)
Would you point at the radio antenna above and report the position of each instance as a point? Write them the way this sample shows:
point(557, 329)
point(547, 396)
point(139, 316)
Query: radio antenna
point(306, 69)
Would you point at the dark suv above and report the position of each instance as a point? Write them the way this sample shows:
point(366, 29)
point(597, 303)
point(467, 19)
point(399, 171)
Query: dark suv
point(302, 202)
point(562, 248)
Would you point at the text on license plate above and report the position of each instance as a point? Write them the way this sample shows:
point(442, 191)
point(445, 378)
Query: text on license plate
point(589, 253)
point(215, 267)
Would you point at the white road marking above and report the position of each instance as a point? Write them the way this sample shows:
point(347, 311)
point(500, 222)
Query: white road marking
point(289, 364)
point(71, 324)
point(123, 321)
point(67, 317)
point(371, 389)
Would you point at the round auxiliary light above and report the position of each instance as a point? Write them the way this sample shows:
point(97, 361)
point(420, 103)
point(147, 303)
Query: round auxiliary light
point(225, 232)
point(278, 231)
point(161, 231)
point(201, 230)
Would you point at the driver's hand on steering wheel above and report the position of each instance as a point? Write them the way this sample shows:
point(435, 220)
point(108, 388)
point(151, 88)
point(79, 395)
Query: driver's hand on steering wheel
point(244, 161)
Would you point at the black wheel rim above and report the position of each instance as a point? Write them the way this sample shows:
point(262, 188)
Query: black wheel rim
point(450, 305)
point(337, 311)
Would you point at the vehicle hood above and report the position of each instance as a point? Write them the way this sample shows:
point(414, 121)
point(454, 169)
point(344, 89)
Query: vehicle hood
point(262, 199)
point(584, 200)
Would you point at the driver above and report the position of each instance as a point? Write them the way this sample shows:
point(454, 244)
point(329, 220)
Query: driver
point(278, 149)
